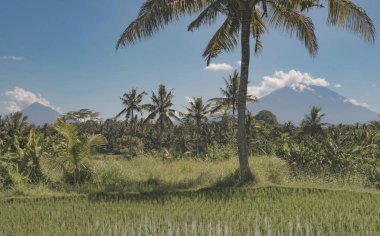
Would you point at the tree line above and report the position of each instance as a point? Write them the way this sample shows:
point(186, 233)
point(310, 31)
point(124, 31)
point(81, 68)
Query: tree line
point(206, 130)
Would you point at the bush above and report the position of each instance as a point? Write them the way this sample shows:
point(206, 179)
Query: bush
point(130, 146)
point(220, 151)
point(373, 176)
point(5, 178)
point(269, 169)
point(78, 176)
point(110, 175)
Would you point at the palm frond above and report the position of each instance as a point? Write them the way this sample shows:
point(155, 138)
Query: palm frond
point(225, 39)
point(154, 15)
point(282, 17)
point(95, 141)
point(151, 116)
point(258, 28)
point(302, 5)
point(345, 14)
point(121, 113)
point(208, 15)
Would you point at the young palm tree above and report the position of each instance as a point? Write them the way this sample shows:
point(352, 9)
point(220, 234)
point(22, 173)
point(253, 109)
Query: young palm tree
point(229, 98)
point(246, 18)
point(197, 111)
point(160, 109)
point(131, 101)
point(312, 124)
point(70, 151)
point(15, 127)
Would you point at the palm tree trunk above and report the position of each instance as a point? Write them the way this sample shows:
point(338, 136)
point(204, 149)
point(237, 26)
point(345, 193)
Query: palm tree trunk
point(242, 95)
point(161, 132)
point(197, 136)
point(133, 123)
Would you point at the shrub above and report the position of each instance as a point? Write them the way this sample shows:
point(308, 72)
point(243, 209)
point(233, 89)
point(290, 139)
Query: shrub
point(220, 151)
point(269, 169)
point(5, 178)
point(373, 176)
point(130, 146)
point(77, 176)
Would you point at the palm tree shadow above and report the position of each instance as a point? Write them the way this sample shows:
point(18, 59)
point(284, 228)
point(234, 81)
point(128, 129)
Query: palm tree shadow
point(154, 189)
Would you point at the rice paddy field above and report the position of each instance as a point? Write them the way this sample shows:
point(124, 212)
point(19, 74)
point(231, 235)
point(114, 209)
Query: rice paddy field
point(217, 211)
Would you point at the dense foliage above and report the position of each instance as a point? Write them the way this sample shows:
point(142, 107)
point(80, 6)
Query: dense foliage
point(205, 131)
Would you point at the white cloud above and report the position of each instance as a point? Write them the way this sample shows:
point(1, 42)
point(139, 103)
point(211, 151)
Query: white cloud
point(12, 58)
point(338, 86)
point(356, 103)
point(12, 107)
point(238, 63)
point(293, 79)
point(20, 97)
point(221, 66)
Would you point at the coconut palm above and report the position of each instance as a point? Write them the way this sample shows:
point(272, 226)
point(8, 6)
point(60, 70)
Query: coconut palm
point(312, 123)
point(132, 103)
point(246, 18)
point(2, 135)
point(161, 110)
point(197, 111)
point(229, 98)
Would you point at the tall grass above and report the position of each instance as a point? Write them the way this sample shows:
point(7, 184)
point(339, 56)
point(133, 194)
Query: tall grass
point(152, 174)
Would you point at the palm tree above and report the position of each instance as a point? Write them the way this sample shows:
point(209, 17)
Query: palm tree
point(2, 135)
point(160, 110)
point(230, 94)
point(70, 151)
point(197, 111)
point(131, 101)
point(312, 123)
point(16, 125)
point(246, 18)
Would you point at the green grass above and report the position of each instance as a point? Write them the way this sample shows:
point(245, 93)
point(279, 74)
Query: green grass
point(190, 197)
point(149, 174)
point(152, 174)
point(228, 211)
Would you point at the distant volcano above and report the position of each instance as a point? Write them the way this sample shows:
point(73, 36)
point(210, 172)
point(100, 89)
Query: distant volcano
point(39, 114)
point(289, 104)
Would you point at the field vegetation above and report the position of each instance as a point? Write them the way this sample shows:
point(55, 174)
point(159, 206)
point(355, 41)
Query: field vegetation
point(188, 149)
point(84, 176)
point(227, 211)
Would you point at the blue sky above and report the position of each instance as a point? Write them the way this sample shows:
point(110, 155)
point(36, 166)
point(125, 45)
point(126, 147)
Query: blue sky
point(62, 53)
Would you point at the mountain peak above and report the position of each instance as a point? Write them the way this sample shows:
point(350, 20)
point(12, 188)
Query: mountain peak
point(291, 104)
point(40, 114)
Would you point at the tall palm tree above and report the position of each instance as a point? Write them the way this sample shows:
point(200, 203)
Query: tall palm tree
point(197, 111)
point(161, 109)
point(312, 123)
point(2, 135)
point(229, 98)
point(246, 18)
point(132, 103)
